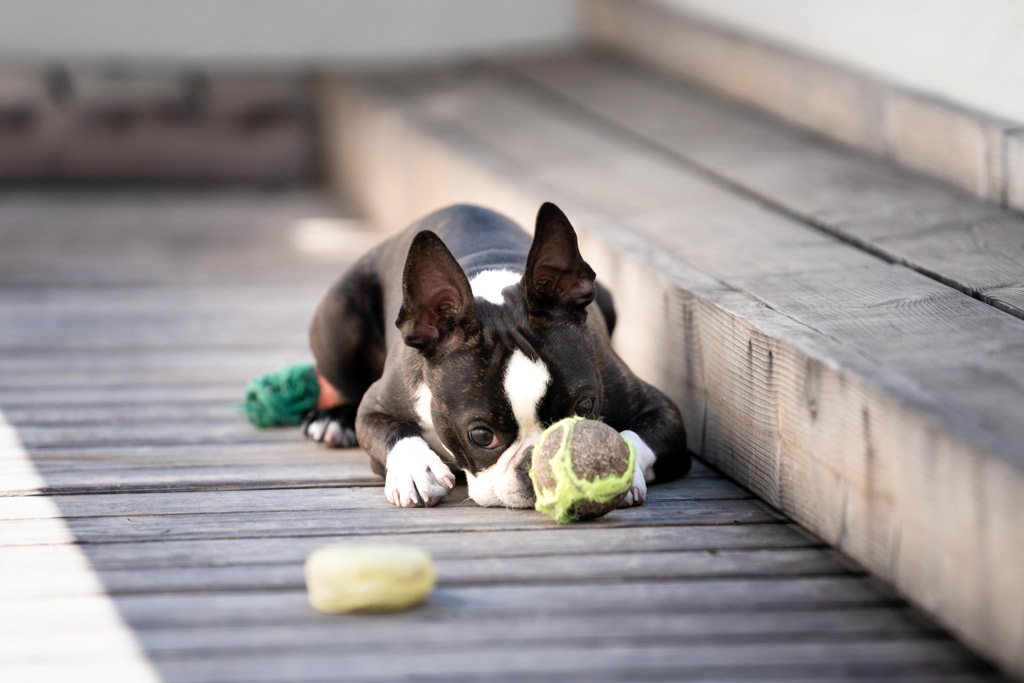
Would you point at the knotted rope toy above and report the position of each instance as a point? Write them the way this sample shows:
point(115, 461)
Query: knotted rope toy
point(582, 469)
point(281, 398)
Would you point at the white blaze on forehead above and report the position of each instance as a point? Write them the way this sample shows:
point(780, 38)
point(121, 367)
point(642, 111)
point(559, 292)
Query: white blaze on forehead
point(490, 284)
point(526, 382)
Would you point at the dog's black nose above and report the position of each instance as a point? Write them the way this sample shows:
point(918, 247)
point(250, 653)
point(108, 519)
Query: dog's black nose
point(523, 471)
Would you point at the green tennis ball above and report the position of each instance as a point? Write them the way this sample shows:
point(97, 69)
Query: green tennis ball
point(582, 469)
point(281, 398)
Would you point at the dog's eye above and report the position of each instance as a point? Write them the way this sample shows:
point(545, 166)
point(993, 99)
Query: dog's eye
point(585, 407)
point(483, 437)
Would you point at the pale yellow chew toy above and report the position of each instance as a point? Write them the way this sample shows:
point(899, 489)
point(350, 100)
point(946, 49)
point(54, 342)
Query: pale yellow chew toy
point(342, 578)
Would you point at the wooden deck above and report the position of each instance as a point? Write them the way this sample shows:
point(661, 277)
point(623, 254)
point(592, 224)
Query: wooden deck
point(147, 533)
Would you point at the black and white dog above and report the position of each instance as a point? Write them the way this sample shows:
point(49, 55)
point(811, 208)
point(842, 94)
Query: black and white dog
point(454, 343)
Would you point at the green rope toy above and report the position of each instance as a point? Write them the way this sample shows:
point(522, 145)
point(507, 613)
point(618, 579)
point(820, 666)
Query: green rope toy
point(281, 398)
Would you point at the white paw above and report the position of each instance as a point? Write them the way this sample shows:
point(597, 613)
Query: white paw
point(416, 476)
point(332, 427)
point(638, 492)
point(643, 470)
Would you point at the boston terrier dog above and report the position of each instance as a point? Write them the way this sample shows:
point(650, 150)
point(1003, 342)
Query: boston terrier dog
point(456, 342)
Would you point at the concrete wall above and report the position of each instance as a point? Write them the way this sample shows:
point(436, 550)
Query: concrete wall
point(278, 32)
point(968, 51)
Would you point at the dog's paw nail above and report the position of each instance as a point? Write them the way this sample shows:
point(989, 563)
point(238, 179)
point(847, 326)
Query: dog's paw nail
point(449, 482)
point(333, 427)
point(332, 435)
point(638, 495)
point(315, 430)
point(635, 496)
point(435, 498)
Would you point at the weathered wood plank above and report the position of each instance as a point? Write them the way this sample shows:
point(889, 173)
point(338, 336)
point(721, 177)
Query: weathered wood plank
point(182, 478)
point(280, 445)
point(197, 432)
point(267, 459)
point(21, 392)
point(480, 570)
point(183, 412)
point(602, 660)
point(212, 468)
point(321, 498)
point(200, 365)
point(651, 597)
point(244, 298)
point(132, 334)
point(312, 633)
point(451, 544)
point(358, 521)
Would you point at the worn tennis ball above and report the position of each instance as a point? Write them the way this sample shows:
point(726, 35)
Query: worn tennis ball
point(367, 578)
point(581, 469)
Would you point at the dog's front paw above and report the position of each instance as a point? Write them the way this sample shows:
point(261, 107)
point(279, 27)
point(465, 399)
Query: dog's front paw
point(643, 470)
point(334, 427)
point(638, 491)
point(416, 476)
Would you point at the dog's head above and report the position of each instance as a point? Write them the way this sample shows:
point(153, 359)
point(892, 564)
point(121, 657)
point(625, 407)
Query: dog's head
point(505, 354)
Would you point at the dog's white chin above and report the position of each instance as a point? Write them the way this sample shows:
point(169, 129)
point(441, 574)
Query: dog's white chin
point(486, 492)
point(498, 485)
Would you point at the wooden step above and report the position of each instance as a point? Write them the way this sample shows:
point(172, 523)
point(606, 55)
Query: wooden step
point(894, 214)
point(973, 150)
point(874, 403)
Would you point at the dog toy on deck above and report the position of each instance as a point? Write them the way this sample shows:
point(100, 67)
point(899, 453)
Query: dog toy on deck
point(581, 469)
point(281, 398)
point(368, 578)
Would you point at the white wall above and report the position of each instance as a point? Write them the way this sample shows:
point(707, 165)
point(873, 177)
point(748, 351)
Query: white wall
point(278, 32)
point(968, 51)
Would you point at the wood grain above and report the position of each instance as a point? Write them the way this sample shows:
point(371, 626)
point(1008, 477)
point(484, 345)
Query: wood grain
point(602, 660)
point(493, 543)
point(309, 634)
point(482, 570)
point(275, 500)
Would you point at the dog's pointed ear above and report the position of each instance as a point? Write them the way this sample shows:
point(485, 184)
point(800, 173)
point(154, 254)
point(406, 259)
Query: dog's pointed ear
point(557, 280)
point(437, 301)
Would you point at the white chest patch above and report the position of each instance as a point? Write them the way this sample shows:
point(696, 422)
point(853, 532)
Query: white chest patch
point(490, 284)
point(422, 400)
point(423, 397)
